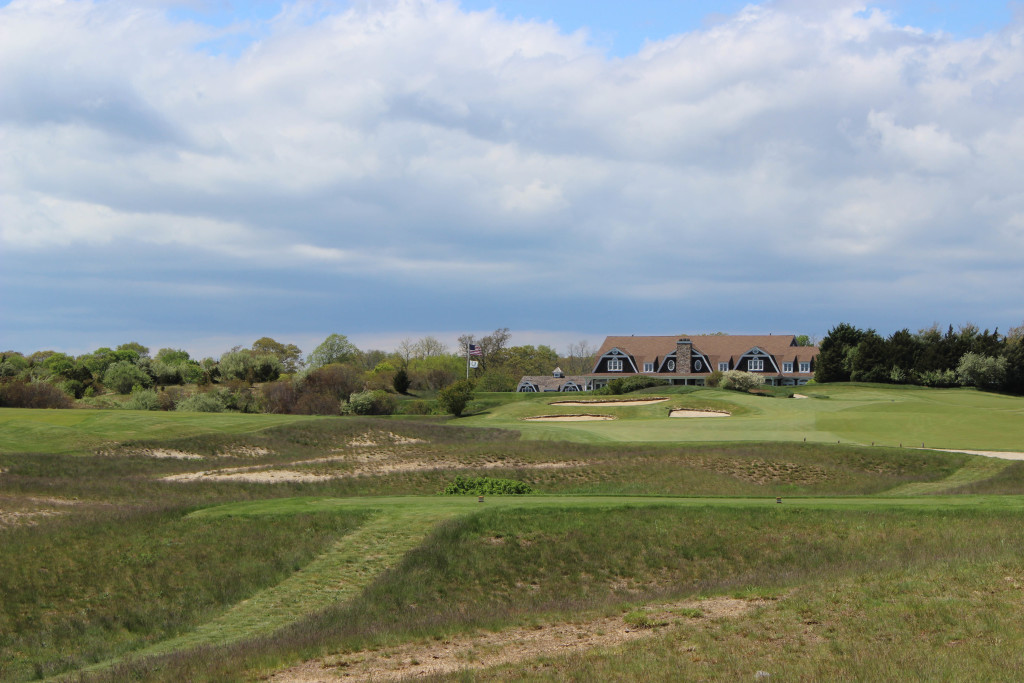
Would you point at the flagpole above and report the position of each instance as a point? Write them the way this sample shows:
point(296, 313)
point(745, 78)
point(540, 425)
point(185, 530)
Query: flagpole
point(467, 362)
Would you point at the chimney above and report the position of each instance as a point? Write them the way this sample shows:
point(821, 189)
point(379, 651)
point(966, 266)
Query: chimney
point(683, 347)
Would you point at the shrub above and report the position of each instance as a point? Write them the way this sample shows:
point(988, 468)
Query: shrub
point(73, 388)
point(938, 378)
point(738, 380)
point(142, 399)
point(337, 380)
point(279, 397)
point(984, 372)
point(23, 394)
point(454, 398)
point(201, 403)
point(714, 379)
point(376, 402)
point(123, 375)
point(479, 486)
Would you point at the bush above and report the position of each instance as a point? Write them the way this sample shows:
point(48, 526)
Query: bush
point(280, 397)
point(479, 486)
point(73, 388)
point(142, 399)
point(738, 380)
point(938, 378)
point(23, 394)
point(984, 372)
point(123, 375)
point(201, 403)
point(376, 402)
point(714, 379)
point(456, 397)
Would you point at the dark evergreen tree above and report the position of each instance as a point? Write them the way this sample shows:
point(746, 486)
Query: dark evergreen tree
point(831, 363)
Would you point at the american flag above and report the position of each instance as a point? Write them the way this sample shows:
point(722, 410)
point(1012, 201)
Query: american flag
point(475, 350)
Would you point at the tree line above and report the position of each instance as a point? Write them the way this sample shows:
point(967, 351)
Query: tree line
point(966, 356)
point(271, 376)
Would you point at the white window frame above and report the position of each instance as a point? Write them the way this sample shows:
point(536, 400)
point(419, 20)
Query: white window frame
point(614, 365)
point(723, 367)
point(648, 367)
point(755, 365)
point(805, 366)
point(787, 367)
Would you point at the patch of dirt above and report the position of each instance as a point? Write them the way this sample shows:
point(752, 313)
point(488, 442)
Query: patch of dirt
point(26, 510)
point(468, 653)
point(24, 517)
point(1004, 455)
point(623, 402)
point(798, 396)
point(686, 412)
point(568, 418)
point(265, 476)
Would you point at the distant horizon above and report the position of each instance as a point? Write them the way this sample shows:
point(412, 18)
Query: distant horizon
point(202, 174)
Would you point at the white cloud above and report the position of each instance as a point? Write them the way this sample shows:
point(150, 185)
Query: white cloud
point(409, 140)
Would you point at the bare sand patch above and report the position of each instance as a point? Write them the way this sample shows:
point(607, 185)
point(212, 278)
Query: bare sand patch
point(375, 465)
point(798, 396)
point(257, 476)
point(370, 439)
point(1003, 455)
point(623, 402)
point(681, 412)
point(246, 452)
point(569, 418)
point(168, 453)
point(475, 652)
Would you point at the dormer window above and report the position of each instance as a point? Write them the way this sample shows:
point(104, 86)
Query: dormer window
point(615, 365)
point(805, 366)
point(755, 365)
point(648, 367)
point(787, 367)
point(723, 367)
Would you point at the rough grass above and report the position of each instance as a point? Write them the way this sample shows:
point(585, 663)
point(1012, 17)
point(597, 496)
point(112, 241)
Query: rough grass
point(498, 568)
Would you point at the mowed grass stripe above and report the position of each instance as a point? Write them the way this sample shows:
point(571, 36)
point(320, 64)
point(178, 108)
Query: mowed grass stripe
point(975, 469)
point(335, 576)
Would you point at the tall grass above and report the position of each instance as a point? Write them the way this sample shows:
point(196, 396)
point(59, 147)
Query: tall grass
point(78, 589)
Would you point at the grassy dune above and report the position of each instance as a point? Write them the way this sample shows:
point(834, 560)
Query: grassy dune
point(880, 562)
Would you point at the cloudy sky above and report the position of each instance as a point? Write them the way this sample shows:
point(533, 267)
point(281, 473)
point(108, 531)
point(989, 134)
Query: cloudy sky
point(200, 174)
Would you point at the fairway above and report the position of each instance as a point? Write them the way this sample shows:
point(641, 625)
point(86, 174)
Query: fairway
point(861, 414)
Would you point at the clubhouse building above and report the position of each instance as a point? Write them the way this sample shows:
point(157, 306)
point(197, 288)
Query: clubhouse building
point(689, 360)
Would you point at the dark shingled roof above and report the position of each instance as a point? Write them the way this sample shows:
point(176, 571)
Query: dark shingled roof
point(717, 348)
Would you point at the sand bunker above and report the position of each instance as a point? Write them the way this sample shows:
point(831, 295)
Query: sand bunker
point(569, 418)
point(697, 413)
point(623, 402)
point(480, 651)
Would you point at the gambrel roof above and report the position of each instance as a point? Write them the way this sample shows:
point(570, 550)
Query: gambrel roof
point(716, 347)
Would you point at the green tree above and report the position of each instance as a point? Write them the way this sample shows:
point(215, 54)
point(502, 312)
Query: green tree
point(335, 349)
point(401, 381)
point(456, 397)
point(122, 375)
point(140, 350)
point(831, 365)
point(290, 355)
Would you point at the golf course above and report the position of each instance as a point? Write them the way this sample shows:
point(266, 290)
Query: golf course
point(833, 531)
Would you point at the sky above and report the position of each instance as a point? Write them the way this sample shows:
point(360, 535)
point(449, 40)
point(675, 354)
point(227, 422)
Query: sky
point(199, 174)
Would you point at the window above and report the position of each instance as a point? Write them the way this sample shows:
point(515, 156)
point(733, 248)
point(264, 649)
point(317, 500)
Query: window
point(648, 367)
point(615, 365)
point(671, 365)
point(755, 365)
point(723, 367)
point(805, 366)
point(787, 367)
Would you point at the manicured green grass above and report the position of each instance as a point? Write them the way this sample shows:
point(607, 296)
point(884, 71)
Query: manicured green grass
point(864, 414)
point(24, 430)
